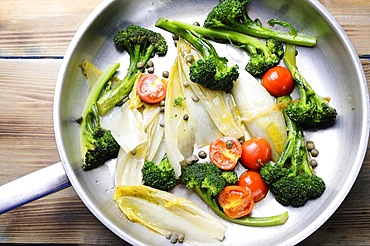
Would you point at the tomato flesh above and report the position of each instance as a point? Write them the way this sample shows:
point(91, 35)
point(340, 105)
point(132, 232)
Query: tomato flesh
point(225, 152)
point(255, 152)
point(278, 81)
point(253, 181)
point(151, 89)
point(236, 201)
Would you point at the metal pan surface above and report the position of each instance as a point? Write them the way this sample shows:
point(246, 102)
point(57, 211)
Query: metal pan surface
point(332, 67)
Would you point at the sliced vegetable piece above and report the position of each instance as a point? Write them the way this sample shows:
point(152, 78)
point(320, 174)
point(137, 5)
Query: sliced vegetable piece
point(179, 133)
point(151, 89)
point(236, 201)
point(253, 181)
point(165, 212)
point(225, 152)
point(255, 153)
point(278, 81)
point(259, 112)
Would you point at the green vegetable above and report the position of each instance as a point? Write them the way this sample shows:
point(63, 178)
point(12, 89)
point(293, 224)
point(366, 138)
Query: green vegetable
point(212, 71)
point(232, 15)
point(97, 143)
point(141, 44)
point(207, 181)
point(311, 110)
point(161, 176)
point(291, 178)
point(262, 55)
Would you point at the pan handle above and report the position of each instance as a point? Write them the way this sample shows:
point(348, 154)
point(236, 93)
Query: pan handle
point(33, 186)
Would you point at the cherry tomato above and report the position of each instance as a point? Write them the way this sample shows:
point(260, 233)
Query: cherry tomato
point(236, 201)
point(255, 153)
point(224, 152)
point(278, 81)
point(151, 89)
point(253, 181)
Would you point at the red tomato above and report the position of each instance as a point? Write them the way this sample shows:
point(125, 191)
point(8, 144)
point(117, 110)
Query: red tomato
point(236, 201)
point(255, 153)
point(151, 89)
point(253, 181)
point(278, 81)
point(224, 152)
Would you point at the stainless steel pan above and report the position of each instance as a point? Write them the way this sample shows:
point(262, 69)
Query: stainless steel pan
point(332, 67)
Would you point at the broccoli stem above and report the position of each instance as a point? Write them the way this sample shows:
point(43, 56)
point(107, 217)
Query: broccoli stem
point(90, 117)
point(110, 99)
point(211, 201)
point(247, 42)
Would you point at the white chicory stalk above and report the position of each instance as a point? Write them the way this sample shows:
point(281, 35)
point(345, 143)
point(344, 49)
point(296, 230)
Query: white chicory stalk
point(259, 112)
point(213, 101)
point(166, 213)
point(179, 133)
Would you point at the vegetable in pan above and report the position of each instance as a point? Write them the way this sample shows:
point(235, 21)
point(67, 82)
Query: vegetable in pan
point(212, 71)
point(263, 55)
point(291, 178)
point(97, 143)
point(161, 176)
point(232, 15)
point(311, 110)
point(141, 44)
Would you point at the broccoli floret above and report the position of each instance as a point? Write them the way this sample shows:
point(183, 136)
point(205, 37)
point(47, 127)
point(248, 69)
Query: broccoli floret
point(212, 71)
point(232, 15)
point(105, 148)
point(230, 177)
point(263, 55)
point(161, 176)
point(207, 180)
point(291, 178)
point(97, 143)
point(141, 44)
point(311, 110)
point(261, 60)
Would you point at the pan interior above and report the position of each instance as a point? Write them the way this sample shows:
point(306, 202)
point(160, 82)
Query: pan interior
point(332, 68)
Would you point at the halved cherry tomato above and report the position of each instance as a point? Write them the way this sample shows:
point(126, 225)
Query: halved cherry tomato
point(236, 201)
point(224, 152)
point(255, 153)
point(253, 181)
point(151, 89)
point(278, 81)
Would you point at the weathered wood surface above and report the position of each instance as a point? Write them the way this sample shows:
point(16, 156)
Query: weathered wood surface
point(33, 38)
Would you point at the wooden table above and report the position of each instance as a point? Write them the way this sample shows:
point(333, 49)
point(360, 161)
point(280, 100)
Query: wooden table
point(33, 38)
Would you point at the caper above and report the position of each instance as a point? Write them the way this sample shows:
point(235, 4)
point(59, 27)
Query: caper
point(229, 144)
point(314, 153)
point(165, 74)
point(313, 163)
point(195, 98)
point(310, 145)
point(202, 154)
point(150, 69)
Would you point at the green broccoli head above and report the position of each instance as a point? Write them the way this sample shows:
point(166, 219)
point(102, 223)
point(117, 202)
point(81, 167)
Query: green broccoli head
point(213, 73)
point(314, 113)
point(291, 191)
point(135, 35)
point(272, 173)
point(206, 176)
point(301, 113)
point(230, 177)
point(161, 176)
point(226, 12)
point(103, 148)
point(261, 60)
point(315, 185)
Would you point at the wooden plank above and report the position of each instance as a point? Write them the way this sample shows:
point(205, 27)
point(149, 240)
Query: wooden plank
point(45, 28)
point(40, 27)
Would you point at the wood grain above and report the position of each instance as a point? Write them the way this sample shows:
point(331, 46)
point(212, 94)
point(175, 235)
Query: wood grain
point(41, 30)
